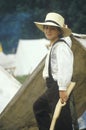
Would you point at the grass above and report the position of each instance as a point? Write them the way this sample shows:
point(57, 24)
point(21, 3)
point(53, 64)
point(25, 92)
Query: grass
point(21, 79)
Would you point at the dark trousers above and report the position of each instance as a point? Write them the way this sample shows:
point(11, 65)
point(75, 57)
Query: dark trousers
point(44, 108)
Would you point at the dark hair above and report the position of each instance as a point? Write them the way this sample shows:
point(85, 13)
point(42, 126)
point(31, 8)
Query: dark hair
point(61, 32)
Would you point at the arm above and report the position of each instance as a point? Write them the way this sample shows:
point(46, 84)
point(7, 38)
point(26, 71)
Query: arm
point(64, 58)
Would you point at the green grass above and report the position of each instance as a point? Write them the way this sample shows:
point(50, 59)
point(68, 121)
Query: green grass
point(21, 79)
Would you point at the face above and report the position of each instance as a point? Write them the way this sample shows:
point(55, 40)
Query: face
point(51, 32)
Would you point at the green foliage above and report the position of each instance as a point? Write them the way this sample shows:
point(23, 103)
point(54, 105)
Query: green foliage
point(74, 11)
point(77, 16)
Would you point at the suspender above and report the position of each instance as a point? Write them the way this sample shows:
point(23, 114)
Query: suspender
point(62, 41)
point(49, 67)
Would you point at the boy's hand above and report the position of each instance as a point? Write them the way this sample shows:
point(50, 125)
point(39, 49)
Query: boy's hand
point(63, 96)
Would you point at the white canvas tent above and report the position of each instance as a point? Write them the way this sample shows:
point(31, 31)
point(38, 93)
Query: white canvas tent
point(7, 62)
point(8, 88)
point(29, 54)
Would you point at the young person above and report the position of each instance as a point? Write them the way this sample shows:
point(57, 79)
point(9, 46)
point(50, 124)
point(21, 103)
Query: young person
point(57, 72)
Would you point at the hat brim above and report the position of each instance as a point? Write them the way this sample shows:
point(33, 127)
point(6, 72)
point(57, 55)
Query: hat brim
point(66, 31)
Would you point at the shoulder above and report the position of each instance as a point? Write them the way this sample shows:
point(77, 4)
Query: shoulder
point(63, 42)
point(59, 44)
point(62, 47)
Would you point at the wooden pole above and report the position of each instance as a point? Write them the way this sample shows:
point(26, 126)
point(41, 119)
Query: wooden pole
point(59, 106)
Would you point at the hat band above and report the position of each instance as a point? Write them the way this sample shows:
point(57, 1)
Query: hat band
point(52, 22)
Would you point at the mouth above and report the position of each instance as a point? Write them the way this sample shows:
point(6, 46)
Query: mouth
point(48, 35)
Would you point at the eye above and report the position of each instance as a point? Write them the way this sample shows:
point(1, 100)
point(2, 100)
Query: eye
point(45, 27)
point(49, 27)
point(53, 28)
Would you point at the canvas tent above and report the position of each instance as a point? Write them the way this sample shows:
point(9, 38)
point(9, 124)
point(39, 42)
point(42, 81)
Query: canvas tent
point(29, 54)
point(81, 38)
point(8, 88)
point(7, 62)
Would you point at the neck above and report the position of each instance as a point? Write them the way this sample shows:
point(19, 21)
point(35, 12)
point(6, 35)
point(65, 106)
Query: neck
point(53, 41)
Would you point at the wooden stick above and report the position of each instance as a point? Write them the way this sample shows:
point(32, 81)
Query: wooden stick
point(59, 106)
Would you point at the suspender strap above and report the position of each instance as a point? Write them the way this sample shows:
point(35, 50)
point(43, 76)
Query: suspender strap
point(62, 40)
point(49, 67)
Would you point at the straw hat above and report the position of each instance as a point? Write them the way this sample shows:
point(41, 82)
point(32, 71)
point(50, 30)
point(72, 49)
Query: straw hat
point(54, 19)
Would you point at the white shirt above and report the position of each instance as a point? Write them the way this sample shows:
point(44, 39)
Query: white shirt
point(61, 63)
